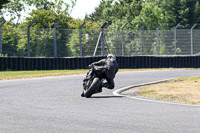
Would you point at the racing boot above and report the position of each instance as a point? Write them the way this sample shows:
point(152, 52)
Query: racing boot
point(108, 86)
point(82, 94)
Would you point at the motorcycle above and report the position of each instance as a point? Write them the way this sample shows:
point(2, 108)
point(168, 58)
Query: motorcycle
point(93, 81)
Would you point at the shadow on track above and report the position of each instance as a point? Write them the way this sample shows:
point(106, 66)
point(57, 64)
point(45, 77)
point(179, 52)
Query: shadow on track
point(107, 97)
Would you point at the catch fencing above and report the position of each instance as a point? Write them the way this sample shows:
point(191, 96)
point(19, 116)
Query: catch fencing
point(89, 42)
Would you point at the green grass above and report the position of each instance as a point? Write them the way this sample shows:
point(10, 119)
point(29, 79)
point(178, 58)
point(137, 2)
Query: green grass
point(9, 75)
point(185, 89)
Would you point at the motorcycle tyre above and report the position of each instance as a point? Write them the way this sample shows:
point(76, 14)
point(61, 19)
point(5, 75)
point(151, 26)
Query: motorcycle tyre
point(93, 87)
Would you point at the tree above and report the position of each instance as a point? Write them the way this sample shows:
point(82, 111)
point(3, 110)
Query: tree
point(150, 14)
point(47, 19)
point(10, 37)
point(42, 33)
point(15, 8)
point(116, 12)
point(180, 11)
point(197, 12)
point(98, 14)
point(2, 2)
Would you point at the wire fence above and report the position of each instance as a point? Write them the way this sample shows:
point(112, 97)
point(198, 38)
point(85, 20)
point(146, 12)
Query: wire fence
point(90, 42)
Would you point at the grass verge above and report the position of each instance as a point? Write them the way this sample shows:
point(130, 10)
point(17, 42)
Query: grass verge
point(184, 89)
point(9, 75)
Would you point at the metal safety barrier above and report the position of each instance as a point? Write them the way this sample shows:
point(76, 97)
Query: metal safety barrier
point(125, 62)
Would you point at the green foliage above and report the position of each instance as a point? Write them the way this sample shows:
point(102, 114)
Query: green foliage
point(9, 40)
point(42, 32)
point(100, 11)
point(2, 2)
point(116, 12)
point(46, 13)
point(15, 8)
point(150, 14)
point(47, 19)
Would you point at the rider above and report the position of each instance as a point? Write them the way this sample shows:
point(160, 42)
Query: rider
point(111, 68)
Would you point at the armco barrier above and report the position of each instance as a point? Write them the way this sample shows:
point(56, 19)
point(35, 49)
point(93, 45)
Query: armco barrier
point(27, 63)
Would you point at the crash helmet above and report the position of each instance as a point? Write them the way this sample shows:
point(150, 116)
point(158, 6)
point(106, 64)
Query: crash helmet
point(111, 57)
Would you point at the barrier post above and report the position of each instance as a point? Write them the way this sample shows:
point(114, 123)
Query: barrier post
point(1, 36)
point(175, 38)
point(192, 50)
point(28, 49)
point(141, 45)
point(102, 38)
point(123, 39)
point(55, 41)
point(158, 39)
point(80, 38)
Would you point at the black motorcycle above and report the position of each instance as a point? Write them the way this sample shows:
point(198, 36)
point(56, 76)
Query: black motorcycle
point(92, 83)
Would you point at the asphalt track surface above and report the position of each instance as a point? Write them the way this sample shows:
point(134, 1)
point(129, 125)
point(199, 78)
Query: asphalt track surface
point(54, 105)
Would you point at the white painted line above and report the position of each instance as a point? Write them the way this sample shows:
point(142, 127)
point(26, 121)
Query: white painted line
point(164, 102)
point(118, 91)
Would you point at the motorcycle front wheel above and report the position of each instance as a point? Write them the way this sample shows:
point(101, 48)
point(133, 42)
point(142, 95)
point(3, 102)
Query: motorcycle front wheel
point(93, 87)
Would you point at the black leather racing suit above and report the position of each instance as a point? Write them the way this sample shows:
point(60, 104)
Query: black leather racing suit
point(111, 67)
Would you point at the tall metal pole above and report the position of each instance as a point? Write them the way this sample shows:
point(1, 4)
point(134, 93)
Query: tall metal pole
point(80, 37)
point(175, 38)
point(141, 45)
point(192, 50)
point(1, 36)
point(97, 44)
point(123, 39)
point(55, 42)
point(102, 38)
point(158, 39)
point(29, 26)
point(102, 42)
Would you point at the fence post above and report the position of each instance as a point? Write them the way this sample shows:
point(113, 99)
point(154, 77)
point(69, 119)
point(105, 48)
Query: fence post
point(1, 36)
point(55, 45)
point(192, 51)
point(80, 37)
point(175, 38)
point(29, 26)
point(123, 39)
point(102, 42)
point(141, 45)
point(158, 38)
point(102, 39)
